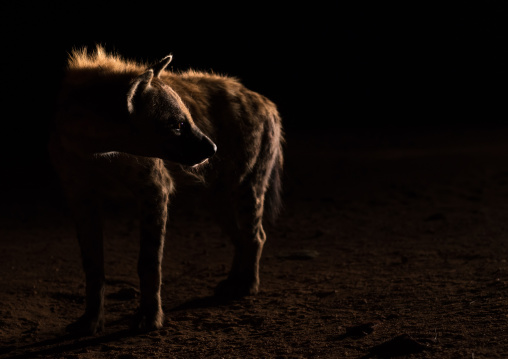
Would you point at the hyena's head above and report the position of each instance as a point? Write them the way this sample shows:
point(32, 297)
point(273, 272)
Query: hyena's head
point(162, 123)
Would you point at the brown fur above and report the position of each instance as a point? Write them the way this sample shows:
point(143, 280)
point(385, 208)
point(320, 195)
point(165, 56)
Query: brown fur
point(124, 121)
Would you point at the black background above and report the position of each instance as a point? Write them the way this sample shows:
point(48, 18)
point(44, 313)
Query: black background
point(329, 68)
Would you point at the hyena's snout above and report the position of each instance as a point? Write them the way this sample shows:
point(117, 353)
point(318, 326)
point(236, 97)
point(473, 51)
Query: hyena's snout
point(207, 149)
point(198, 148)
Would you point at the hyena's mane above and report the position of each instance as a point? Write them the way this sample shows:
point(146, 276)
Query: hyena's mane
point(99, 59)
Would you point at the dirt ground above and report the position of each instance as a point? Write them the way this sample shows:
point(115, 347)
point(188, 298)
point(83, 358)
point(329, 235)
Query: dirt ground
point(388, 245)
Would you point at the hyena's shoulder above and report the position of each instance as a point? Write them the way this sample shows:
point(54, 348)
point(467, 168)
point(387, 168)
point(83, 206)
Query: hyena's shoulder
point(95, 83)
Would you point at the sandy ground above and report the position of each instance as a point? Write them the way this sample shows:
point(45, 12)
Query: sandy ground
point(388, 245)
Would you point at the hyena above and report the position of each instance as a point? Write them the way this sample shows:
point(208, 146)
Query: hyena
point(124, 121)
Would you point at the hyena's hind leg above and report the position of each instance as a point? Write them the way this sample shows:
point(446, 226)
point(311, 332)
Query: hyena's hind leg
point(242, 219)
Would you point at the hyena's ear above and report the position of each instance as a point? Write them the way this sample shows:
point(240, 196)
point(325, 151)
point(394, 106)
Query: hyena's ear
point(157, 69)
point(139, 85)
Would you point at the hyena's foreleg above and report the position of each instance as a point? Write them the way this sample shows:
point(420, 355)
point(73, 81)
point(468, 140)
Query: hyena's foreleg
point(153, 195)
point(77, 182)
point(89, 233)
point(152, 231)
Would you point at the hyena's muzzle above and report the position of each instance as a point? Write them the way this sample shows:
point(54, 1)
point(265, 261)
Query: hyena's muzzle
point(191, 148)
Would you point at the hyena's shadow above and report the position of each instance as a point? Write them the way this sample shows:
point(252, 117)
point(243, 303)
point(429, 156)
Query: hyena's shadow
point(62, 344)
point(65, 343)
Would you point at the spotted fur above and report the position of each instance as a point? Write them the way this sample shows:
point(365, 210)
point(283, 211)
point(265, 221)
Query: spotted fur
point(143, 127)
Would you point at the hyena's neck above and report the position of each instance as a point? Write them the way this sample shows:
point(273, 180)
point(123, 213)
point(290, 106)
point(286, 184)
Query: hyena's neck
point(93, 116)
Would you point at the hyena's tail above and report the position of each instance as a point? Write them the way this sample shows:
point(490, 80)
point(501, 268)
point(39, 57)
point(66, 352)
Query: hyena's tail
point(274, 192)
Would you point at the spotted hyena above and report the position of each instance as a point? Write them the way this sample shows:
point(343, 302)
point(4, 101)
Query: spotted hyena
point(131, 123)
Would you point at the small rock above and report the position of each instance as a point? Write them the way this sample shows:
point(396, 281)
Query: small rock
point(362, 329)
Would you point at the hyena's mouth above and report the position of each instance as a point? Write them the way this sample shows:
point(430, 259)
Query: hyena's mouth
point(200, 163)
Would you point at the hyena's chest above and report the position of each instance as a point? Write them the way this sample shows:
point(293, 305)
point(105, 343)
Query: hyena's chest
point(120, 177)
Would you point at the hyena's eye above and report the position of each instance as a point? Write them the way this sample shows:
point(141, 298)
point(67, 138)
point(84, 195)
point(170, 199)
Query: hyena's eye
point(179, 127)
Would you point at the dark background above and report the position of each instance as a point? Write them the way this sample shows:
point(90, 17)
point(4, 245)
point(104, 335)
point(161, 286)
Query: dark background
point(382, 69)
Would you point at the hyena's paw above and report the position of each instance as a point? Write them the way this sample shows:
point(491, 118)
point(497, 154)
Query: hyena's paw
point(87, 325)
point(236, 288)
point(148, 320)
